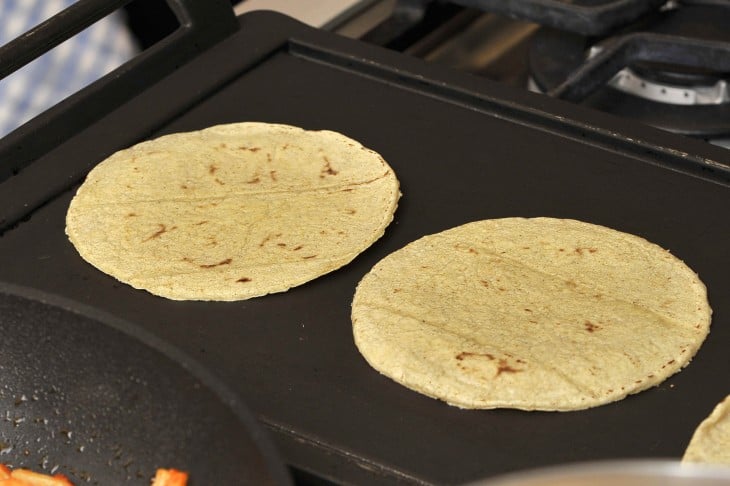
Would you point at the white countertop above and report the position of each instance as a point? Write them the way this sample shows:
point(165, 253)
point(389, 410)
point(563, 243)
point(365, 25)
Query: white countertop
point(317, 13)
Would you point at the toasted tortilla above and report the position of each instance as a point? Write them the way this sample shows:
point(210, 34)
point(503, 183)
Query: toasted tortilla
point(533, 314)
point(710, 443)
point(233, 211)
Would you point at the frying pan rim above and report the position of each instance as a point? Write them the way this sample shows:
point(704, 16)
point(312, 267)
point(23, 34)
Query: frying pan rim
point(651, 468)
point(274, 463)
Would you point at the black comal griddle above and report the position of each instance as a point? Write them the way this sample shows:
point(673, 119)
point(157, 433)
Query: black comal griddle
point(464, 149)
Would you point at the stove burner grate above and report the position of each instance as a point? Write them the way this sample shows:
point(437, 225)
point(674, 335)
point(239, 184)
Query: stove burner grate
point(669, 69)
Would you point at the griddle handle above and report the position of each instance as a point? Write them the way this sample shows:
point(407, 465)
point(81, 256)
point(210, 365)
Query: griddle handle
point(50, 33)
point(80, 15)
point(203, 23)
point(638, 47)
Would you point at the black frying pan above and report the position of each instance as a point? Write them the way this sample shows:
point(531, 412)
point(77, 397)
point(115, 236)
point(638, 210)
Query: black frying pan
point(94, 398)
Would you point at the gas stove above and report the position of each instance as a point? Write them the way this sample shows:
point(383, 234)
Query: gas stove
point(664, 63)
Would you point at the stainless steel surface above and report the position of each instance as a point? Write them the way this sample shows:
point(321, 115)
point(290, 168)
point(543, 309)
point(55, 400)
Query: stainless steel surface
point(356, 26)
point(490, 46)
point(623, 473)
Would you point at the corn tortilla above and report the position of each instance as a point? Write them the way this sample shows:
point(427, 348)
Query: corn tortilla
point(710, 444)
point(533, 314)
point(233, 211)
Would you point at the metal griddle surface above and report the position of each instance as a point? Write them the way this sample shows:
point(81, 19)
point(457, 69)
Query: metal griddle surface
point(464, 149)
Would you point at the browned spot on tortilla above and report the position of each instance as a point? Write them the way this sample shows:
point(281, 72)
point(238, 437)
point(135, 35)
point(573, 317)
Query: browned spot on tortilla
point(212, 169)
point(349, 189)
point(501, 289)
point(212, 241)
point(297, 248)
point(638, 381)
point(254, 180)
point(571, 284)
point(327, 169)
point(527, 310)
point(131, 215)
point(272, 175)
point(341, 233)
point(532, 321)
point(591, 327)
point(580, 250)
point(163, 229)
point(561, 249)
point(227, 261)
point(525, 247)
point(223, 145)
point(128, 186)
point(598, 296)
point(243, 279)
point(250, 149)
point(269, 238)
point(485, 283)
point(285, 146)
point(309, 257)
point(199, 223)
point(395, 291)
point(504, 367)
point(281, 245)
point(218, 181)
point(350, 211)
point(467, 354)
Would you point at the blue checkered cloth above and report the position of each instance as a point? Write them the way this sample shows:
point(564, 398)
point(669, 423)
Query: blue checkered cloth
point(65, 69)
